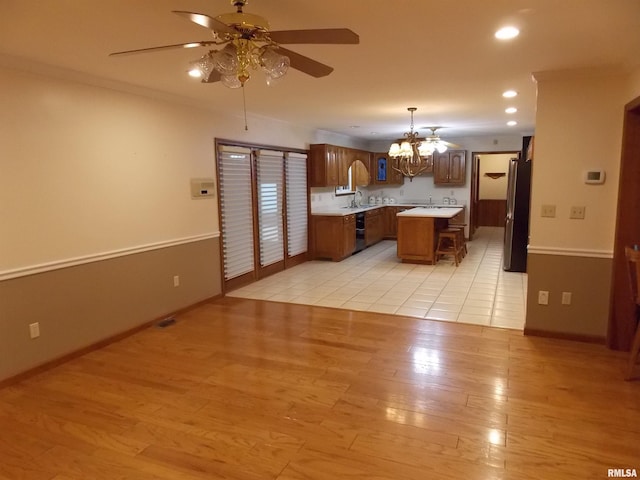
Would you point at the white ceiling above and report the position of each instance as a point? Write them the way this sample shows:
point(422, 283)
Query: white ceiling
point(439, 56)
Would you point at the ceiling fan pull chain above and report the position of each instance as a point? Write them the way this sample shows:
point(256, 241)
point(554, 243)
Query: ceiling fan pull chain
point(244, 107)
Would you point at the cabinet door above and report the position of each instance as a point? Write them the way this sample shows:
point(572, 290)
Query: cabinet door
point(457, 168)
point(359, 174)
point(344, 160)
point(441, 168)
point(449, 168)
point(348, 235)
point(323, 166)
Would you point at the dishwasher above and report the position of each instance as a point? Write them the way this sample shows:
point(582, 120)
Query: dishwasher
point(360, 240)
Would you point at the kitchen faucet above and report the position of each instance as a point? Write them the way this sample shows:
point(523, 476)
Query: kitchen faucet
point(357, 199)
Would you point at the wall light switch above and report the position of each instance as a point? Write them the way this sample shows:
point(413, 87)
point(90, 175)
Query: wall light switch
point(548, 211)
point(566, 298)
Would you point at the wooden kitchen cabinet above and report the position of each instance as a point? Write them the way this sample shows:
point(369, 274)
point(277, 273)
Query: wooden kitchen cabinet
point(360, 173)
point(390, 224)
point(374, 226)
point(323, 165)
point(449, 168)
point(333, 237)
point(329, 166)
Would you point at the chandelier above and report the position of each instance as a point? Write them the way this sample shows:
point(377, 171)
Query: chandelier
point(409, 154)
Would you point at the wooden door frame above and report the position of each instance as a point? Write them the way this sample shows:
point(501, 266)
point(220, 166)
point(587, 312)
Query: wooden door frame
point(621, 326)
point(256, 274)
point(475, 185)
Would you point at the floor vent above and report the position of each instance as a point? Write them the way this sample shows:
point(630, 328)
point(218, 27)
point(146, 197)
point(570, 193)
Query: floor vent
point(167, 322)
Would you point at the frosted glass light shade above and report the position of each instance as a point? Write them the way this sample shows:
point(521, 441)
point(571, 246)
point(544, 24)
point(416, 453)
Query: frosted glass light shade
point(274, 64)
point(226, 60)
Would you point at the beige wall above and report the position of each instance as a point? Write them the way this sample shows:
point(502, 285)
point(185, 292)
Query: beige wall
point(578, 128)
point(95, 207)
point(493, 188)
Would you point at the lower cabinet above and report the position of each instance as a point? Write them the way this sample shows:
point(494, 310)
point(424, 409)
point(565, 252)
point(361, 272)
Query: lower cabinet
point(374, 226)
point(390, 224)
point(333, 237)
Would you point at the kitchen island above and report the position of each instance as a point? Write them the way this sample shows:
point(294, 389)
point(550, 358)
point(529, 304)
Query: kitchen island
point(418, 232)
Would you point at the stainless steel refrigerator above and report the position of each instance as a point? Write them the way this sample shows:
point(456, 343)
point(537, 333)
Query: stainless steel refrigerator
point(516, 230)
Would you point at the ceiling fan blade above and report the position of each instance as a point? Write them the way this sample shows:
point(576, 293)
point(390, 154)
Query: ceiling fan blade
point(306, 64)
point(324, 36)
point(165, 47)
point(206, 21)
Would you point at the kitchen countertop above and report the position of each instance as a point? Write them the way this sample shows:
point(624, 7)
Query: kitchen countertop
point(342, 211)
point(445, 212)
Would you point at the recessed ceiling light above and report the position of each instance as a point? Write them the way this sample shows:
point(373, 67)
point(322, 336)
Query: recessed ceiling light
point(512, 123)
point(511, 110)
point(354, 126)
point(507, 33)
point(509, 94)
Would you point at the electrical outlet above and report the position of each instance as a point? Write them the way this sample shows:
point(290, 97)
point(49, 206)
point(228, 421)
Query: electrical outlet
point(548, 211)
point(543, 297)
point(566, 298)
point(176, 280)
point(577, 213)
point(34, 330)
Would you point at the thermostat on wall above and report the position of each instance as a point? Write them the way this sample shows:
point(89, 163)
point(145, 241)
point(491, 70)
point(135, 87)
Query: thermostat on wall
point(202, 187)
point(594, 176)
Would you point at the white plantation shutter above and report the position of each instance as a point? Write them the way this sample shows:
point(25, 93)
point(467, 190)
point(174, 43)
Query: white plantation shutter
point(236, 210)
point(296, 172)
point(270, 193)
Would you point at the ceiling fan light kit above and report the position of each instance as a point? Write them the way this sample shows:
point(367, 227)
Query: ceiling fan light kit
point(249, 45)
point(409, 155)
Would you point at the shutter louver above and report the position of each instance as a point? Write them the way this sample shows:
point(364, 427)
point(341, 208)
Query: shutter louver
point(270, 193)
point(236, 211)
point(297, 219)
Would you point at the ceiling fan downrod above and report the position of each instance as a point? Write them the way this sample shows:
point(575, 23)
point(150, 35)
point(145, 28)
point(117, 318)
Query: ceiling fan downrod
point(239, 4)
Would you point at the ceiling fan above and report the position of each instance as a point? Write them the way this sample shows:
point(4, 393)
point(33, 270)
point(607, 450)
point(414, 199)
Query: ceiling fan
point(248, 44)
point(434, 143)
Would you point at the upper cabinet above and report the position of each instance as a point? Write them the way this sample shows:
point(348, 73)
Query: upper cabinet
point(325, 166)
point(382, 172)
point(449, 168)
point(329, 166)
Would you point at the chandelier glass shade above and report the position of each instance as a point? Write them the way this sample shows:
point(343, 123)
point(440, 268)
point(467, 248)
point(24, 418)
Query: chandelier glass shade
point(237, 59)
point(409, 155)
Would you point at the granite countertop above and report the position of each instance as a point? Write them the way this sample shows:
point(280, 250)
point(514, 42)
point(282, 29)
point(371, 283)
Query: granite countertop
point(445, 212)
point(342, 211)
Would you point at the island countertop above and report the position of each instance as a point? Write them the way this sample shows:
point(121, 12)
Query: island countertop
point(446, 212)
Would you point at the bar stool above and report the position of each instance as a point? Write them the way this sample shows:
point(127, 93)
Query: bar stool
point(462, 240)
point(449, 244)
point(633, 264)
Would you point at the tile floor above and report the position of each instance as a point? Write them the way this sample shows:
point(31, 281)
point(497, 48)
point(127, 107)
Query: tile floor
point(478, 291)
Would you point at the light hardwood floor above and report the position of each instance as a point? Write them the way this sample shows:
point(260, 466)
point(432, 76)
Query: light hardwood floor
point(248, 389)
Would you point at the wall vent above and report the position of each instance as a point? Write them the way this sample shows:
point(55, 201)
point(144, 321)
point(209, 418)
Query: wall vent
point(166, 322)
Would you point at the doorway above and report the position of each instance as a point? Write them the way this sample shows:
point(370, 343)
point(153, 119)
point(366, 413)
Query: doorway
point(489, 178)
point(621, 326)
